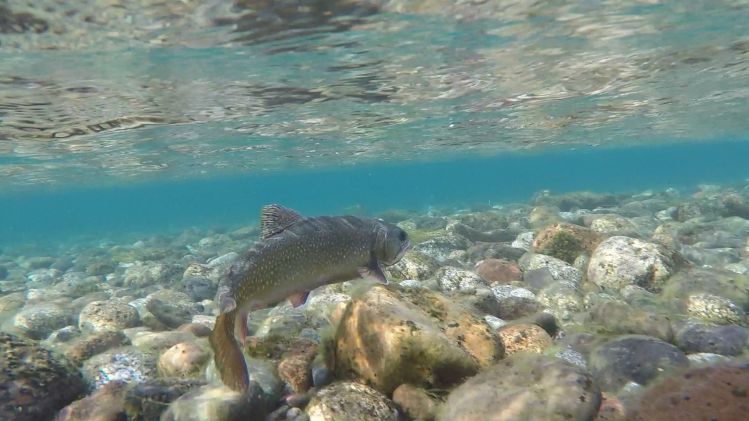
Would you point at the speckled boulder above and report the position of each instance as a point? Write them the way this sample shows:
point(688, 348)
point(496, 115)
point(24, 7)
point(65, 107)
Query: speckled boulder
point(412, 336)
point(525, 387)
point(613, 225)
point(99, 316)
point(37, 321)
point(186, 359)
point(565, 241)
point(543, 216)
point(451, 279)
point(563, 299)
point(440, 248)
point(34, 382)
point(172, 308)
point(142, 274)
point(126, 364)
point(515, 302)
point(524, 337)
point(715, 309)
point(559, 269)
point(635, 358)
point(413, 265)
point(621, 261)
point(718, 392)
point(724, 340)
point(352, 402)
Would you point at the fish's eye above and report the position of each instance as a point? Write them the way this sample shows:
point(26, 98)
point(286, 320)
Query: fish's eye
point(402, 235)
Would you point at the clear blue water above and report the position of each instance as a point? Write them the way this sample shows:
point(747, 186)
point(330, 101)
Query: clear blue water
point(151, 117)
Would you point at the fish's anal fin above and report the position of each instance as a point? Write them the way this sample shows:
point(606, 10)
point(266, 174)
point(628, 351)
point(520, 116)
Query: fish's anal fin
point(373, 271)
point(276, 218)
point(298, 299)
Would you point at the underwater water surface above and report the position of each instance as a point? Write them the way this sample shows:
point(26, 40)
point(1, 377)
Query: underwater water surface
point(573, 176)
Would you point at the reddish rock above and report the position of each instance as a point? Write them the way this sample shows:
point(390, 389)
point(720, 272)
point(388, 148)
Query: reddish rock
point(106, 404)
point(719, 392)
point(499, 271)
point(295, 364)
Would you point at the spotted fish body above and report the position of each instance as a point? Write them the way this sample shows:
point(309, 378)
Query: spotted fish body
point(296, 255)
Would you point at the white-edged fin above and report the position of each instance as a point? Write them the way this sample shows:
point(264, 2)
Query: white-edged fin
point(276, 218)
point(298, 299)
point(373, 271)
point(226, 304)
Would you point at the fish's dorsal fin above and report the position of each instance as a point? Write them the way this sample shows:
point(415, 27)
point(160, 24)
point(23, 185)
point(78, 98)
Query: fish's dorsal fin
point(276, 218)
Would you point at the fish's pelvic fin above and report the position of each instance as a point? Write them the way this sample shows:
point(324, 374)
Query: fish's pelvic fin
point(227, 354)
point(373, 271)
point(276, 218)
point(240, 326)
point(298, 299)
point(226, 302)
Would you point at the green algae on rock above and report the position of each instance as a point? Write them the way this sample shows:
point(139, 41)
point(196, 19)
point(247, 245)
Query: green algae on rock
point(525, 386)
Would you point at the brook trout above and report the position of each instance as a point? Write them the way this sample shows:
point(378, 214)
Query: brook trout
point(294, 256)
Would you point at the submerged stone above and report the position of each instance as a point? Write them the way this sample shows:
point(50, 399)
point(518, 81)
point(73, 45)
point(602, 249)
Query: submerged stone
point(352, 402)
point(525, 387)
point(415, 336)
point(34, 382)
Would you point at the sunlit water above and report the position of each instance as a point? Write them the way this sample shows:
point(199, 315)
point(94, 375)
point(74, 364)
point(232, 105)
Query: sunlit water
point(304, 102)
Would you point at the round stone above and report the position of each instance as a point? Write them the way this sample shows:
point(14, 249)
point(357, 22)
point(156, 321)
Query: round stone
point(99, 316)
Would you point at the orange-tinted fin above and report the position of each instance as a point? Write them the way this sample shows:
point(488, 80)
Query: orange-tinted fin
point(227, 354)
point(298, 299)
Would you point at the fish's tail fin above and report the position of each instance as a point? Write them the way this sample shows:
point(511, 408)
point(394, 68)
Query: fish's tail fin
point(227, 354)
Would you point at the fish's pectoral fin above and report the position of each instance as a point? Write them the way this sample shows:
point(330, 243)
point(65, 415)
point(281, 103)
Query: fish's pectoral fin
point(298, 299)
point(240, 326)
point(373, 271)
point(226, 302)
point(276, 218)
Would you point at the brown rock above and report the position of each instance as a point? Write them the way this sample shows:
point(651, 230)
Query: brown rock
point(719, 392)
point(415, 402)
point(524, 338)
point(106, 404)
point(198, 329)
point(498, 270)
point(295, 364)
point(85, 347)
point(420, 337)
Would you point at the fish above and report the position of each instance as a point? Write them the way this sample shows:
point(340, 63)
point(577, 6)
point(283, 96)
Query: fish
point(295, 254)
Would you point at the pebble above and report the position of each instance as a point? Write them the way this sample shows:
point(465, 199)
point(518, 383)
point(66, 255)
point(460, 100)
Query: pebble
point(715, 309)
point(126, 364)
point(451, 279)
point(723, 340)
point(499, 271)
point(352, 402)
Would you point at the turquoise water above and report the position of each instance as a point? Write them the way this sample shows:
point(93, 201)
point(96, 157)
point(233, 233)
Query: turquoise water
point(139, 210)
